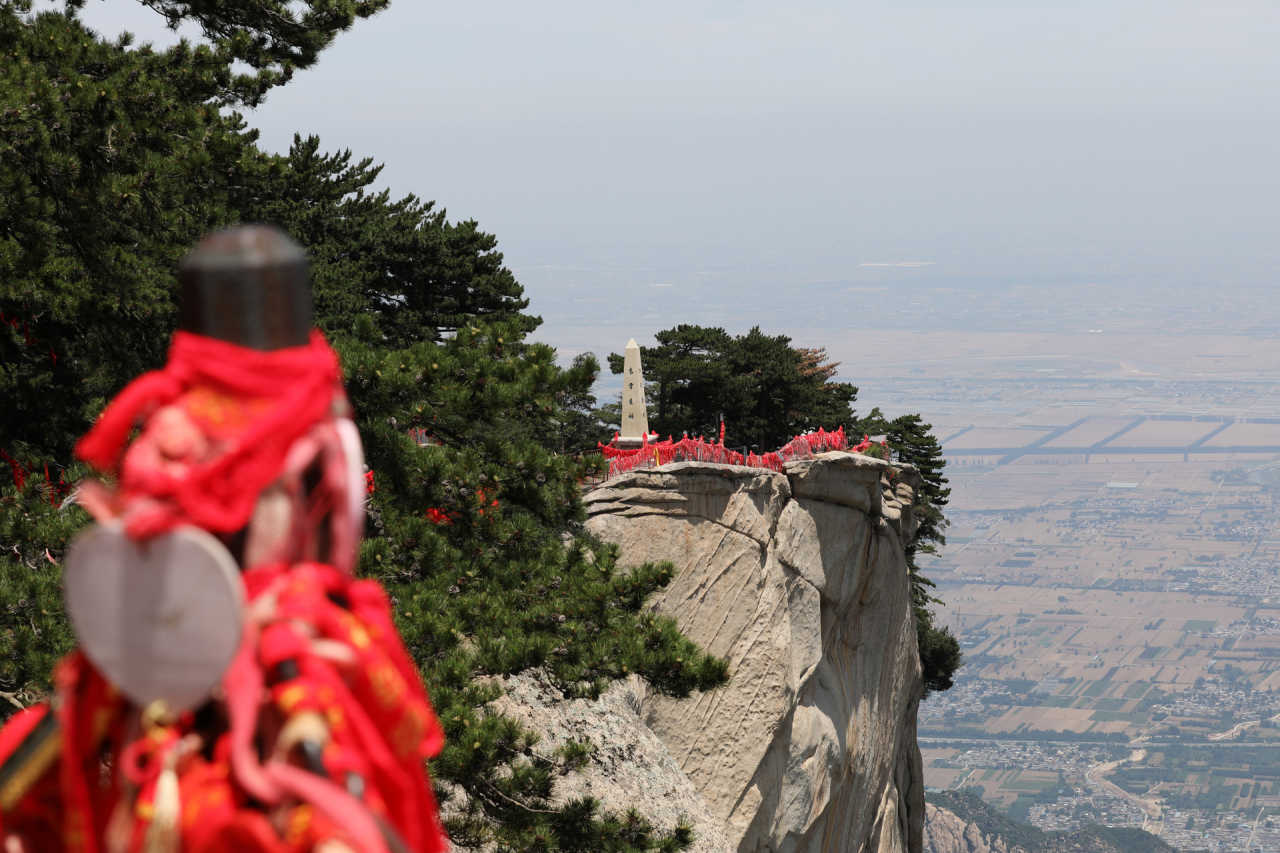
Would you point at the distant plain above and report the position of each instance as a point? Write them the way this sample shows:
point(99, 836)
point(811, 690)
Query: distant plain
point(1110, 571)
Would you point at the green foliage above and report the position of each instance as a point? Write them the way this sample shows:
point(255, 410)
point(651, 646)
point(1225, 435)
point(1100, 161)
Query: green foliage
point(109, 169)
point(34, 632)
point(114, 161)
point(398, 261)
point(913, 442)
point(255, 45)
point(940, 654)
point(766, 389)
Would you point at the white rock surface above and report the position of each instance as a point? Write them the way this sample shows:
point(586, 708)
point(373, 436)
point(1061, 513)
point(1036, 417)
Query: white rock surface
point(799, 580)
point(630, 766)
point(945, 832)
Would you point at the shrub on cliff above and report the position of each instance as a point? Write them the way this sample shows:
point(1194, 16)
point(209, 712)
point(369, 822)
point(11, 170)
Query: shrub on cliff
point(913, 442)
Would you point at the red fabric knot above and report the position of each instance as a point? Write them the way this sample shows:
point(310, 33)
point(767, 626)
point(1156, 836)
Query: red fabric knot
point(248, 407)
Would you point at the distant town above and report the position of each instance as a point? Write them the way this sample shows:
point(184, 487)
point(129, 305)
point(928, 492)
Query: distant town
point(1110, 572)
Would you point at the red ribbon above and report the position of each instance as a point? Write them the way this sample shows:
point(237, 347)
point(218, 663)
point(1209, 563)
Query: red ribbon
point(623, 459)
point(298, 383)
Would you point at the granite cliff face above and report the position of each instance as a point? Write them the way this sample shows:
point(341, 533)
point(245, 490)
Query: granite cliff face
point(799, 580)
point(945, 832)
point(960, 822)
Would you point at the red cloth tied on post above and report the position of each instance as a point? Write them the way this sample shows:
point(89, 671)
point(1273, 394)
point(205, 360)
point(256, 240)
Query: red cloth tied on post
point(220, 425)
point(284, 392)
point(381, 723)
point(381, 727)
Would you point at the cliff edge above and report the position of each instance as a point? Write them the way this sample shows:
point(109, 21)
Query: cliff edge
point(960, 822)
point(799, 580)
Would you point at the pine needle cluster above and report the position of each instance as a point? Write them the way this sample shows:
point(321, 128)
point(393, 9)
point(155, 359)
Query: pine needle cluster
point(34, 633)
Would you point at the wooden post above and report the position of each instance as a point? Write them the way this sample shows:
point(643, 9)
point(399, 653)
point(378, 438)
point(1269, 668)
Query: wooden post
point(247, 285)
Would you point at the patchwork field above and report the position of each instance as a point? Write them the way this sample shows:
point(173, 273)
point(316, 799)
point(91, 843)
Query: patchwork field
point(1246, 434)
point(997, 437)
point(1092, 431)
point(1119, 610)
point(1162, 433)
point(1120, 619)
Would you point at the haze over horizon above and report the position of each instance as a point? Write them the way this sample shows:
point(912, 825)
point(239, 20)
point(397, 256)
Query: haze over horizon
point(745, 163)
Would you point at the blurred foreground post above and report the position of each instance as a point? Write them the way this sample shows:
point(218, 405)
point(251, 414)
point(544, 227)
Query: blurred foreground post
point(235, 688)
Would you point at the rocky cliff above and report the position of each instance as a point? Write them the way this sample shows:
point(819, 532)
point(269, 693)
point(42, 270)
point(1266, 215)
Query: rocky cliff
point(946, 832)
point(799, 580)
point(960, 822)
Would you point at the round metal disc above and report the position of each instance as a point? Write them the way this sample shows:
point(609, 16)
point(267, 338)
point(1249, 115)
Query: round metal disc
point(160, 619)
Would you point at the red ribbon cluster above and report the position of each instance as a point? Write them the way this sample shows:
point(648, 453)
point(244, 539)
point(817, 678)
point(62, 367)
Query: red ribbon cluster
point(18, 470)
point(293, 389)
point(439, 516)
point(57, 490)
point(623, 459)
point(345, 664)
point(14, 323)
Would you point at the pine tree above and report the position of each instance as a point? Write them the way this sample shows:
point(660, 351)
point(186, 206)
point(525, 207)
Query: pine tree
point(400, 261)
point(109, 170)
point(115, 160)
point(765, 389)
point(912, 440)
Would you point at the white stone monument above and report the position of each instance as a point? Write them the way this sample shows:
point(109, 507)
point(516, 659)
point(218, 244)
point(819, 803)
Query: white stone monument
point(635, 416)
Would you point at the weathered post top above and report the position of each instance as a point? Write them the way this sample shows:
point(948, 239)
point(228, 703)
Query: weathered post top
point(247, 285)
point(635, 415)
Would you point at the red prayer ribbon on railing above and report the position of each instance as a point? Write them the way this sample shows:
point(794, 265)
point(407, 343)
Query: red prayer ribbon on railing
point(624, 459)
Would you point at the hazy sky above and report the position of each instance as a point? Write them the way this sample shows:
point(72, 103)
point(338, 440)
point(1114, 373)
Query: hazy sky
point(618, 147)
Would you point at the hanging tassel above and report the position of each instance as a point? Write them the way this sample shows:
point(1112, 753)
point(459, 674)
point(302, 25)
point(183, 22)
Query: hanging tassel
point(162, 834)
